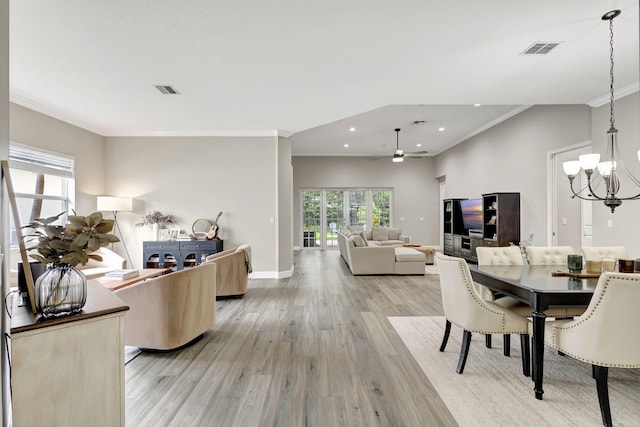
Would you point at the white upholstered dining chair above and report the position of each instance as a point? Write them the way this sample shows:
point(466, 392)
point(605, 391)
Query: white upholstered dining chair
point(464, 307)
point(606, 335)
point(503, 255)
point(596, 253)
point(548, 255)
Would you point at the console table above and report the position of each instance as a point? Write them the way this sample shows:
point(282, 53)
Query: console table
point(177, 254)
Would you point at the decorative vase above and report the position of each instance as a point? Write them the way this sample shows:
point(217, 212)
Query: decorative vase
point(155, 231)
point(60, 291)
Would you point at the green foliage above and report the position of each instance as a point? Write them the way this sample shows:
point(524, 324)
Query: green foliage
point(73, 243)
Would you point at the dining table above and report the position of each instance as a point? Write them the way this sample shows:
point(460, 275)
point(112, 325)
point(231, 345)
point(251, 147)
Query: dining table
point(540, 287)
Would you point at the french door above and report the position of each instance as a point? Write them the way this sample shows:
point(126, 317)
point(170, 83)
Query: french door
point(327, 211)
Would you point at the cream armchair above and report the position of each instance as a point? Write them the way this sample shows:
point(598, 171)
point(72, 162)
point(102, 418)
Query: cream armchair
point(464, 307)
point(606, 335)
point(549, 255)
point(232, 274)
point(170, 311)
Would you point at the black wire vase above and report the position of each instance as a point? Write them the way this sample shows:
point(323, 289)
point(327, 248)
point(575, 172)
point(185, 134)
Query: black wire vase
point(60, 291)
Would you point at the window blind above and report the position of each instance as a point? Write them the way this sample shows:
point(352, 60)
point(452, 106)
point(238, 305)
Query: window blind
point(25, 158)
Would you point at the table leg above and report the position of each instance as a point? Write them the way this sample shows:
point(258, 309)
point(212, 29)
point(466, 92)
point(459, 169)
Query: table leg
point(538, 352)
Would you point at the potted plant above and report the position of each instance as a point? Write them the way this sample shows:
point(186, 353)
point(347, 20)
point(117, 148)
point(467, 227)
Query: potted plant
point(155, 219)
point(62, 289)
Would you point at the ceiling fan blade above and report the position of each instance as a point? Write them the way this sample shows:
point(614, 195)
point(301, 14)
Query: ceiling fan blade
point(416, 154)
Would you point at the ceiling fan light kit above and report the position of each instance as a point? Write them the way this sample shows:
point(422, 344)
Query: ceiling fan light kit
point(399, 155)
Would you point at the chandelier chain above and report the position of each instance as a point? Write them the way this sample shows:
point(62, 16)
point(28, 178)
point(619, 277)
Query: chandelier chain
point(612, 120)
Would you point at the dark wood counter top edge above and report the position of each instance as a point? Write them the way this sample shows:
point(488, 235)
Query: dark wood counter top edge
point(100, 301)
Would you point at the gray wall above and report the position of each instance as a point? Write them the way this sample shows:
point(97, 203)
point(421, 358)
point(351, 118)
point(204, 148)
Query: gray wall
point(38, 130)
point(197, 177)
point(415, 193)
point(4, 210)
point(625, 219)
point(285, 206)
point(512, 157)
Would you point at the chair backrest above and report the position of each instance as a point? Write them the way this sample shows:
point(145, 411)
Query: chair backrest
point(548, 255)
point(608, 332)
point(506, 255)
point(462, 304)
point(596, 253)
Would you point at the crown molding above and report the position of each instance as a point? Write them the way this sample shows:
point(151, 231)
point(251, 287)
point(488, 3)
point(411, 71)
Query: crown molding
point(54, 113)
point(619, 93)
point(212, 133)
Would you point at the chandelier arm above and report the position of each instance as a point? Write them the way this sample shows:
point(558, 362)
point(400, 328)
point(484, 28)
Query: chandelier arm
point(594, 196)
point(578, 195)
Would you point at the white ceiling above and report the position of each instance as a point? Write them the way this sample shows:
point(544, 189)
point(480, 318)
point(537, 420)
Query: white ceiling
point(312, 69)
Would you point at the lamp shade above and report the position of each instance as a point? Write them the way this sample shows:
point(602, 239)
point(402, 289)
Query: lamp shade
point(571, 168)
point(589, 161)
point(119, 204)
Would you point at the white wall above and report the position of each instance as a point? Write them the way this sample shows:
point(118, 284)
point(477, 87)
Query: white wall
point(512, 157)
point(415, 193)
point(285, 208)
point(197, 177)
point(625, 219)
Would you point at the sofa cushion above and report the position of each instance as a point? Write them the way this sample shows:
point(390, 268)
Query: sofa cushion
point(380, 233)
point(409, 254)
point(393, 233)
point(364, 236)
point(357, 240)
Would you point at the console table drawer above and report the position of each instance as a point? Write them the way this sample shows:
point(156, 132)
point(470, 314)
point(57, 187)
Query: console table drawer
point(197, 246)
point(167, 246)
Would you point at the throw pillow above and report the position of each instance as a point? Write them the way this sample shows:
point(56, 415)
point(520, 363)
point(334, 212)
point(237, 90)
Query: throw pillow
point(364, 237)
point(394, 233)
point(380, 233)
point(357, 240)
point(354, 228)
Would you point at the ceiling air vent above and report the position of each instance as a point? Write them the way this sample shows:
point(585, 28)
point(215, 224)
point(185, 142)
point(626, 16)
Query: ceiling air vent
point(540, 48)
point(167, 90)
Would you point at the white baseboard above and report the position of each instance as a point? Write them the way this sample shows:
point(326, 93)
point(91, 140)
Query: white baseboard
point(271, 274)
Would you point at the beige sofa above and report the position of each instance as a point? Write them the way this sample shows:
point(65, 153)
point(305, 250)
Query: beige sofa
point(381, 236)
point(170, 311)
point(368, 259)
point(232, 274)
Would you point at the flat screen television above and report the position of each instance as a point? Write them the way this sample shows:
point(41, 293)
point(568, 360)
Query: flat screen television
point(471, 214)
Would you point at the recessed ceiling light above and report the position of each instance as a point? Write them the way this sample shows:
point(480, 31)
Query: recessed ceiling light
point(346, 145)
point(418, 145)
point(441, 129)
point(477, 105)
point(352, 129)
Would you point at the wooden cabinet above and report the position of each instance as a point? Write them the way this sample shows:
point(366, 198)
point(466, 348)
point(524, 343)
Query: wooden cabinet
point(452, 227)
point(69, 371)
point(501, 218)
point(178, 255)
point(501, 225)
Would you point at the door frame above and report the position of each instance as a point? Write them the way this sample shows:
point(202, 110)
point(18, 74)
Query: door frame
point(552, 194)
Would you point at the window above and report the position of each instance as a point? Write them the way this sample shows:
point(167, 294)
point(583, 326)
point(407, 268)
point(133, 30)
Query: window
point(43, 184)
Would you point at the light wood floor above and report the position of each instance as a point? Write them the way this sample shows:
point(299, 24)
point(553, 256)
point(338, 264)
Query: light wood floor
point(312, 350)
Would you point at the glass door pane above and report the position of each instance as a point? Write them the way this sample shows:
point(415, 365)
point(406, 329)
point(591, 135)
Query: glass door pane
point(311, 211)
point(335, 217)
point(358, 208)
point(381, 203)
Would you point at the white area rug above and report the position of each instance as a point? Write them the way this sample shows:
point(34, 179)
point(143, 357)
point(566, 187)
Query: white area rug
point(431, 269)
point(493, 392)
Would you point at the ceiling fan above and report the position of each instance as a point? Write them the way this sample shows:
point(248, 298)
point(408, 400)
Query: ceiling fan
point(399, 154)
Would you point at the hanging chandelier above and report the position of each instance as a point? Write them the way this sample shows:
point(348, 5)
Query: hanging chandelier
point(605, 171)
